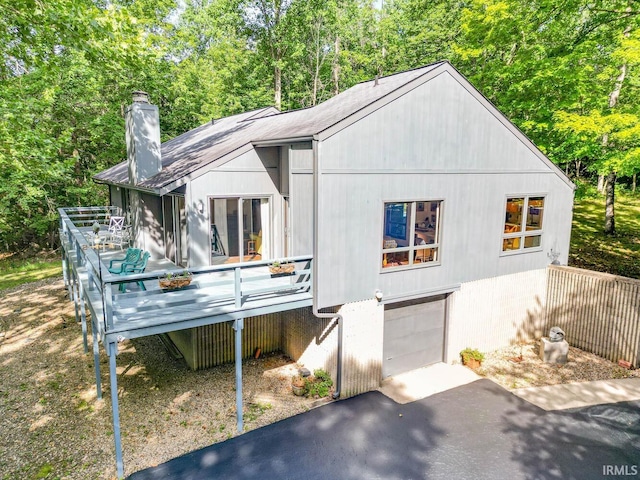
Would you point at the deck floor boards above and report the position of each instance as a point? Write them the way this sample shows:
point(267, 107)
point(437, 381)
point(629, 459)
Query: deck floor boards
point(211, 297)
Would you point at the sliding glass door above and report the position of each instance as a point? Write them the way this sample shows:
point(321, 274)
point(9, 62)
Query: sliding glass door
point(238, 229)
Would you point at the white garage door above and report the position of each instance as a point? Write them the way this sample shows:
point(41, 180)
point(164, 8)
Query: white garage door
point(413, 334)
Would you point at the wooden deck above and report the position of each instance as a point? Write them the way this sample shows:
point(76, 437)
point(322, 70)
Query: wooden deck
point(230, 292)
point(212, 297)
point(217, 294)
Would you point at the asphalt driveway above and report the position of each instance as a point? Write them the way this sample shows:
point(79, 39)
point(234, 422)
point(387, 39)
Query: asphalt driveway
point(476, 431)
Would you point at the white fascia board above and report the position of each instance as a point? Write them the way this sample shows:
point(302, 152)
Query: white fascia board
point(128, 186)
point(282, 141)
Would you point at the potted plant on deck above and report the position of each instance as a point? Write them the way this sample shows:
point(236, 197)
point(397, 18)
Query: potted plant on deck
point(171, 281)
point(281, 266)
point(471, 358)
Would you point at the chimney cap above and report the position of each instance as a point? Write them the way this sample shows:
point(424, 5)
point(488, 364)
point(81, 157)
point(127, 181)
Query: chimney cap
point(140, 97)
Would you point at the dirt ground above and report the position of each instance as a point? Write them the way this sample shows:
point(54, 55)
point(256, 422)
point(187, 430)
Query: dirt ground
point(53, 426)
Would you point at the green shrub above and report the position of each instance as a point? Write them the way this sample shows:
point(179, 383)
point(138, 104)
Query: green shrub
point(471, 353)
point(318, 385)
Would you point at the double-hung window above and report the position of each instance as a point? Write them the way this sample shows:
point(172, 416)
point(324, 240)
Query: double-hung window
point(523, 223)
point(411, 233)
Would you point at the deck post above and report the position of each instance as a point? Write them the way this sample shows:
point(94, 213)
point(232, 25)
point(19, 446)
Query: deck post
point(83, 316)
point(107, 296)
point(75, 288)
point(65, 264)
point(237, 286)
point(68, 248)
point(238, 325)
point(70, 265)
point(96, 357)
point(113, 351)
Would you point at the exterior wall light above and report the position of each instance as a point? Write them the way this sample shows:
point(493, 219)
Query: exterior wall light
point(379, 295)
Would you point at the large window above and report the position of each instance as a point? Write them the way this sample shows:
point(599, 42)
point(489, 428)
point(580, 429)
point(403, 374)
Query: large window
point(523, 223)
point(411, 233)
point(238, 229)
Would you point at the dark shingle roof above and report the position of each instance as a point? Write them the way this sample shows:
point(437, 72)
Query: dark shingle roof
point(192, 150)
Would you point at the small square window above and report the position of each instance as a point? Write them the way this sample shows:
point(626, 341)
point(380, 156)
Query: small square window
point(523, 223)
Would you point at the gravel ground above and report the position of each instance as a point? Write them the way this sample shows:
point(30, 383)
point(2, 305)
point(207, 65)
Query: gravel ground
point(53, 426)
point(520, 366)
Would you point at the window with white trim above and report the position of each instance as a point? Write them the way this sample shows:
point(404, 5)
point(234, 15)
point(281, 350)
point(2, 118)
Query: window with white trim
point(411, 233)
point(523, 223)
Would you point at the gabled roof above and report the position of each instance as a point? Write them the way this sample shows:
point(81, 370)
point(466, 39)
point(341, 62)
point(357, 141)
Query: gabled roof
point(198, 148)
point(192, 150)
point(229, 137)
point(315, 120)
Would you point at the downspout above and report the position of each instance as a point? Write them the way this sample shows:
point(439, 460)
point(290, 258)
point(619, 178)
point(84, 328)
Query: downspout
point(314, 273)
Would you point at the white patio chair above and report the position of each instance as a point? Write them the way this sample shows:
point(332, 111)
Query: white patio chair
point(117, 233)
point(115, 224)
point(120, 238)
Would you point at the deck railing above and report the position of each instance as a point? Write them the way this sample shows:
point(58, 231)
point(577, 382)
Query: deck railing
point(86, 216)
point(219, 288)
point(213, 290)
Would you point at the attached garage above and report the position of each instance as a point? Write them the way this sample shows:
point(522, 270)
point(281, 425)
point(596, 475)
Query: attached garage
point(414, 334)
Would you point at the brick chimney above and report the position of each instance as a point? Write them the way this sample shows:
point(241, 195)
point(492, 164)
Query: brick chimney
point(142, 123)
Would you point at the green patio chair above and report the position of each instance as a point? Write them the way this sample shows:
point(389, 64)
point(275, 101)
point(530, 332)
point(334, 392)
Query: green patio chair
point(135, 267)
point(132, 256)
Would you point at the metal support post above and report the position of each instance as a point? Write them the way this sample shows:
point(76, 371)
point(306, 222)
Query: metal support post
point(75, 296)
point(65, 267)
point(238, 325)
point(83, 316)
point(96, 357)
point(113, 351)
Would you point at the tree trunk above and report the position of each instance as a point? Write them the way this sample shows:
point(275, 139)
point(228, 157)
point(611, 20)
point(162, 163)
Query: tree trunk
point(633, 183)
point(609, 219)
point(610, 185)
point(318, 62)
point(277, 97)
point(335, 69)
point(602, 183)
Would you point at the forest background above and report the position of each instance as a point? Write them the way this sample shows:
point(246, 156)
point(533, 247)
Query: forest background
point(564, 71)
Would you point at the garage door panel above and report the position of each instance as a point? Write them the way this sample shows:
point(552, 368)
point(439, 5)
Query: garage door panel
point(413, 335)
point(431, 339)
point(396, 332)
